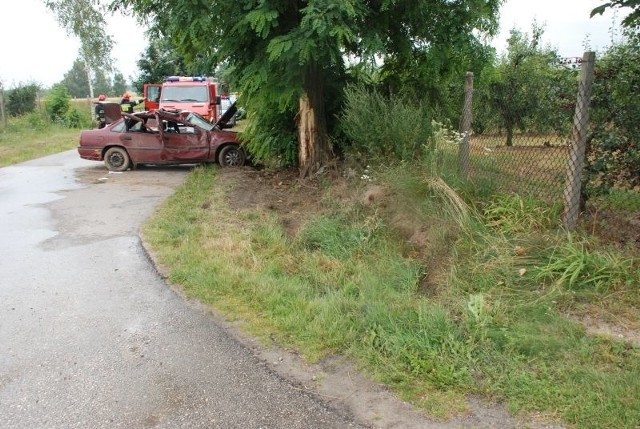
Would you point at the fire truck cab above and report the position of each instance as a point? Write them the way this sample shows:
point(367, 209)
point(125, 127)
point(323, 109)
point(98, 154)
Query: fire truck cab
point(196, 94)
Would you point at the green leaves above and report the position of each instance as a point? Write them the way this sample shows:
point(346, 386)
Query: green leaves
point(262, 21)
point(278, 46)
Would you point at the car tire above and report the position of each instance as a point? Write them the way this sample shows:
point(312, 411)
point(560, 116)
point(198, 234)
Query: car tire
point(231, 156)
point(117, 159)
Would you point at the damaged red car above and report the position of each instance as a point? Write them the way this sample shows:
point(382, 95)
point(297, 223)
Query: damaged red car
point(162, 137)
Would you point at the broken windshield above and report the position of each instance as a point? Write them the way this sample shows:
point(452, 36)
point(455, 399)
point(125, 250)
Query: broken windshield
point(199, 121)
point(184, 93)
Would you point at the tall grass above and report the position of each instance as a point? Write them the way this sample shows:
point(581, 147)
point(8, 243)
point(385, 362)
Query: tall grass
point(32, 136)
point(382, 128)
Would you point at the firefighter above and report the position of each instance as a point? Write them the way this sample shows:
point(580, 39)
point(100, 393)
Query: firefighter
point(126, 104)
point(99, 111)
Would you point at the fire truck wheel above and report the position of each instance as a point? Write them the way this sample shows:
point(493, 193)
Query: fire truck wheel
point(231, 156)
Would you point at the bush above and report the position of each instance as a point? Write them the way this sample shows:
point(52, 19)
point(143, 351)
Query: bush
point(22, 100)
point(37, 120)
point(614, 152)
point(60, 110)
point(382, 128)
point(58, 102)
point(76, 118)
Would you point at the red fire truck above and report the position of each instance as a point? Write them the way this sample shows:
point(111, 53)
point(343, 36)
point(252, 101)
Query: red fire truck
point(196, 94)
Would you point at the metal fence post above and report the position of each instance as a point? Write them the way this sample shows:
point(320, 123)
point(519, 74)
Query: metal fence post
point(465, 125)
point(578, 143)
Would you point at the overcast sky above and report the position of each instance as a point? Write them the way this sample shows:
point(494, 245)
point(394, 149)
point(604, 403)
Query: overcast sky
point(34, 48)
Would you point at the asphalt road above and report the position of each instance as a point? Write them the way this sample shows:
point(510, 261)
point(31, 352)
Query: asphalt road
point(92, 337)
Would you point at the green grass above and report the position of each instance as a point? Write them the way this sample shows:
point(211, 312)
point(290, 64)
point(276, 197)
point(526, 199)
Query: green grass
point(479, 309)
point(31, 137)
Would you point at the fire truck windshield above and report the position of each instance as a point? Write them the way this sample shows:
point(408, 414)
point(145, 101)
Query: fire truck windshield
point(198, 94)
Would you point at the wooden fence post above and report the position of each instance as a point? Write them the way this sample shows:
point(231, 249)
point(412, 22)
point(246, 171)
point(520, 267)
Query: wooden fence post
point(2, 109)
point(465, 125)
point(578, 143)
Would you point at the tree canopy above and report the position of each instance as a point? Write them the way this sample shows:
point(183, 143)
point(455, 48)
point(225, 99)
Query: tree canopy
point(76, 80)
point(158, 61)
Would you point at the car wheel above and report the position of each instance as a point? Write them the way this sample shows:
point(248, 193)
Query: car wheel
point(116, 159)
point(231, 156)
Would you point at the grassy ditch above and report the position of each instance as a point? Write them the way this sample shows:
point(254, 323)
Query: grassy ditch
point(433, 297)
point(31, 137)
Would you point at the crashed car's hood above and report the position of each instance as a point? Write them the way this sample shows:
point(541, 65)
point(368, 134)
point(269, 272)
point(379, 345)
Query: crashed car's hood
point(227, 115)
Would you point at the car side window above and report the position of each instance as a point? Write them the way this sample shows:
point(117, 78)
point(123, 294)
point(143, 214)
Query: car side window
point(152, 125)
point(118, 128)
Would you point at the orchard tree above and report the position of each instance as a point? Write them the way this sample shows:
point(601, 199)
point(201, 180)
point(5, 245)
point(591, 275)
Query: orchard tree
point(288, 58)
point(527, 89)
point(84, 19)
point(435, 75)
point(614, 149)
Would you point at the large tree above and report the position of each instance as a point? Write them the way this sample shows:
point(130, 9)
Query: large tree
point(286, 55)
point(102, 83)
point(84, 20)
point(158, 61)
point(119, 84)
point(76, 80)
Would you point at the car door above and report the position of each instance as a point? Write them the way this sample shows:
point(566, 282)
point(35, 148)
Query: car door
point(182, 142)
point(142, 138)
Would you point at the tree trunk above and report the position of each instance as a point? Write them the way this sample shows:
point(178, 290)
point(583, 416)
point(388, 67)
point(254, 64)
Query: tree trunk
point(509, 135)
point(87, 70)
point(313, 140)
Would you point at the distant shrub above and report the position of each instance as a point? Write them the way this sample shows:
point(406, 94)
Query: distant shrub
point(22, 100)
point(77, 118)
point(37, 120)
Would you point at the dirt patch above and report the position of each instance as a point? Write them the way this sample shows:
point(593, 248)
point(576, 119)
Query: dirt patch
point(597, 326)
point(281, 192)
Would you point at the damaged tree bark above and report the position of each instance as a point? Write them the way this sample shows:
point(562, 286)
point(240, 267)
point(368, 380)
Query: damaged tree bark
point(313, 141)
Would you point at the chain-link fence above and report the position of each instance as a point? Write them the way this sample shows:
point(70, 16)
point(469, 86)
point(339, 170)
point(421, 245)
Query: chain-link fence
point(528, 135)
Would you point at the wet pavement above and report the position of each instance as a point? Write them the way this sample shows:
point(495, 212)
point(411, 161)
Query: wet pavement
point(92, 337)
